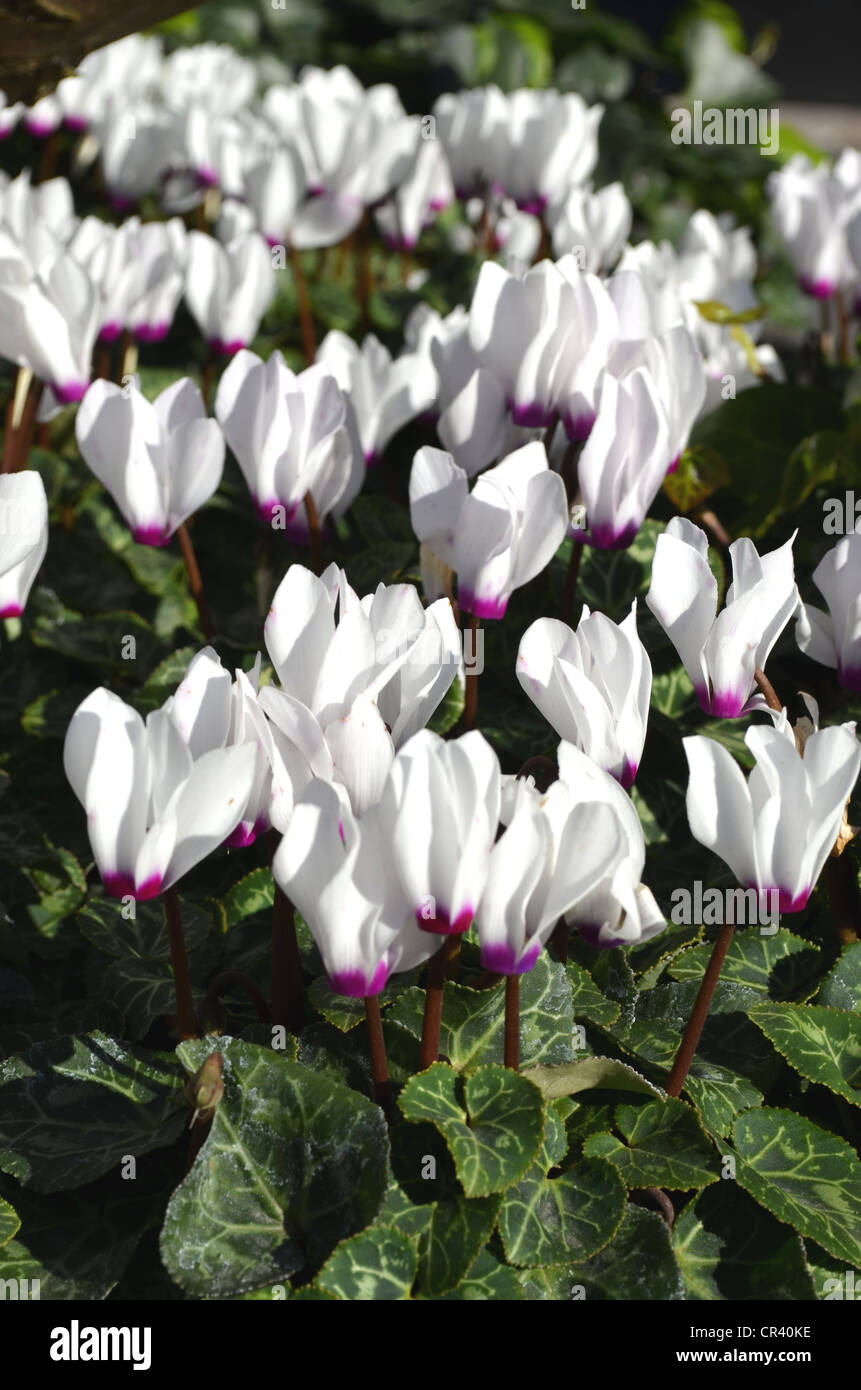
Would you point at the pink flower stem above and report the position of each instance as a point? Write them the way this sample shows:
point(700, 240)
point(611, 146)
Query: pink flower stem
point(699, 1013)
point(26, 426)
point(767, 689)
point(195, 583)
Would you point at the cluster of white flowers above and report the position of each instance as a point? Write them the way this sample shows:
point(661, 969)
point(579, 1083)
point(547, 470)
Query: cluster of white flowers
point(566, 389)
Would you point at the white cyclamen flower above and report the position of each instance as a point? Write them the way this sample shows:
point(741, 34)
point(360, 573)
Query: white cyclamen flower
point(385, 393)
point(619, 910)
point(593, 686)
point(358, 676)
point(153, 811)
point(439, 810)
point(289, 434)
point(159, 460)
point(555, 852)
point(834, 638)
point(228, 288)
point(721, 651)
point(624, 460)
point(497, 537)
point(23, 538)
point(338, 869)
point(775, 830)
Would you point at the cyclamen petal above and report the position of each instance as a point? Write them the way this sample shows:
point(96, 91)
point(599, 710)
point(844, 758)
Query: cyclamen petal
point(290, 436)
point(593, 686)
point(834, 638)
point(144, 834)
point(23, 538)
point(497, 537)
point(440, 810)
point(160, 462)
point(776, 830)
point(720, 651)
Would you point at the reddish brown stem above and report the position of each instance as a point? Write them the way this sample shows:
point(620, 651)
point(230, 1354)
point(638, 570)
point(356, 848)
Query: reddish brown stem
point(826, 340)
point(315, 535)
point(511, 1057)
point(23, 435)
point(699, 1013)
point(432, 1021)
point(103, 362)
point(48, 162)
point(9, 438)
point(179, 960)
point(379, 1063)
point(655, 1197)
point(709, 518)
point(767, 689)
point(195, 583)
point(345, 250)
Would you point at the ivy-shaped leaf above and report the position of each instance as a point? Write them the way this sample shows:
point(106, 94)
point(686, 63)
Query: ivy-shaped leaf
point(833, 1280)
point(292, 1164)
point(493, 1136)
point(728, 1247)
point(77, 1245)
point(781, 966)
point(486, 1280)
point(587, 1001)
point(841, 989)
point(664, 1146)
point(457, 1230)
point(804, 1175)
point(822, 1044)
point(549, 1221)
point(639, 1263)
point(9, 1222)
point(345, 1013)
point(473, 1021)
point(106, 924)
point(377, 1265)
point(253, 893)
point(73, 1107)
